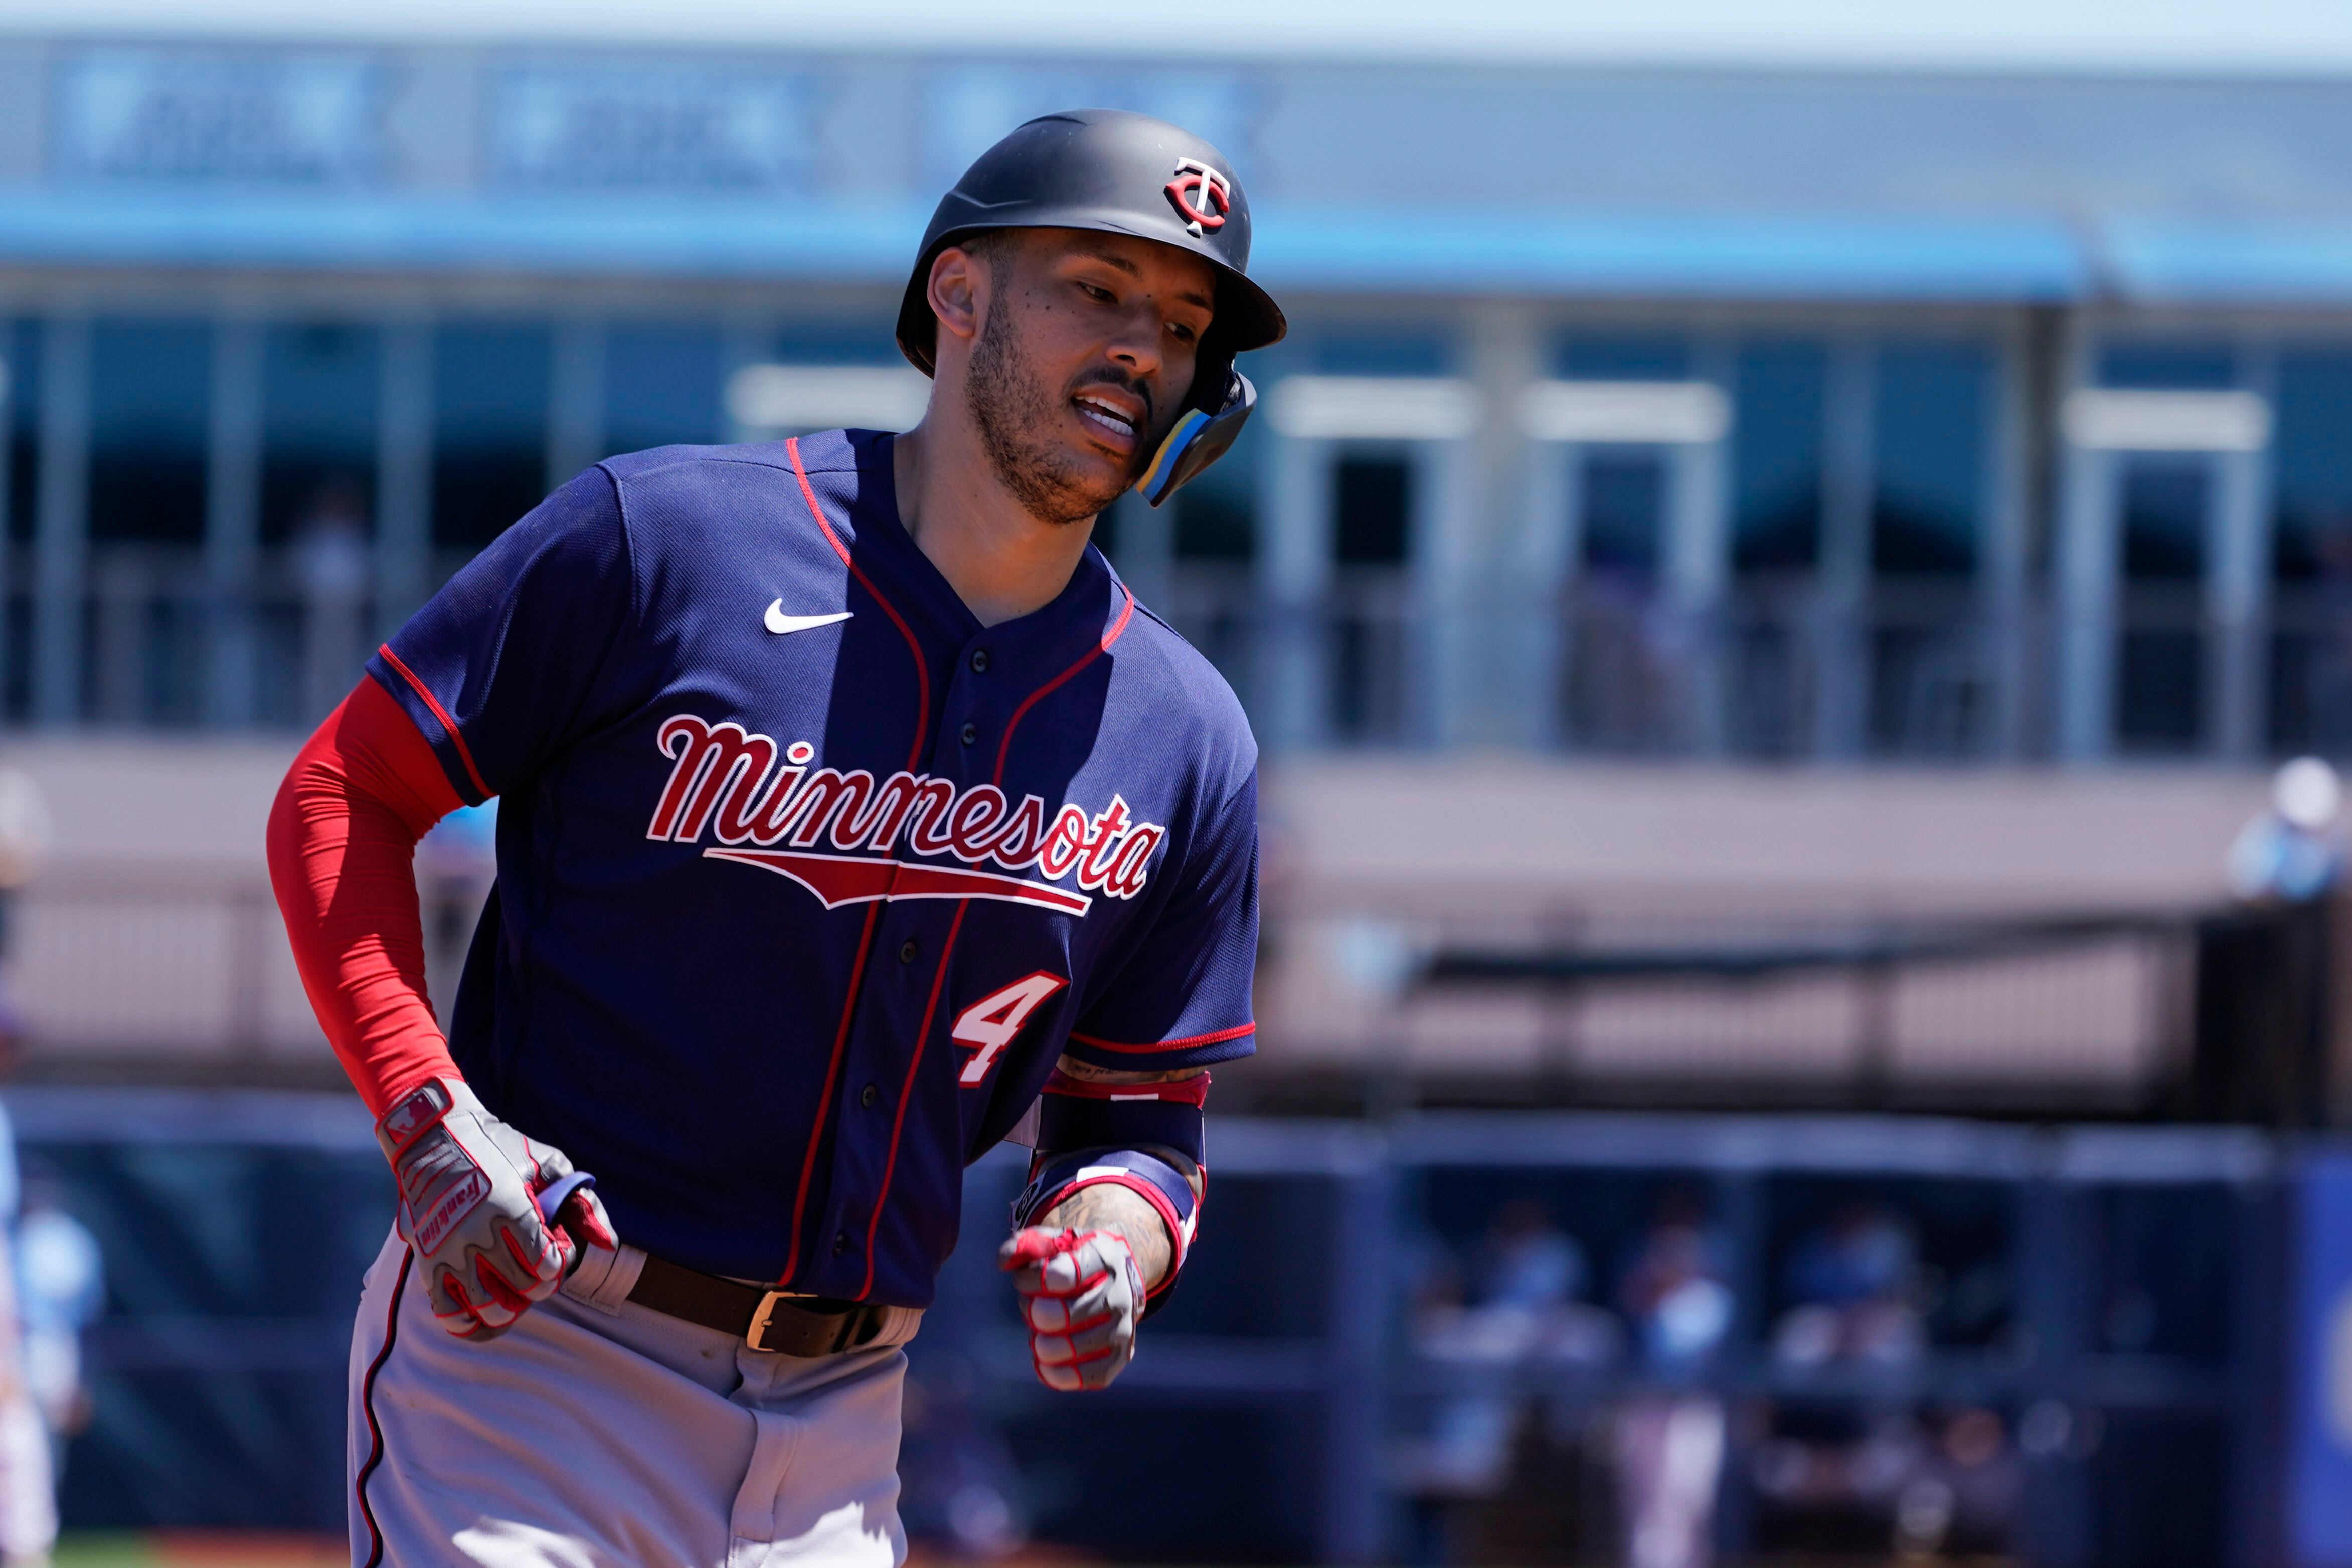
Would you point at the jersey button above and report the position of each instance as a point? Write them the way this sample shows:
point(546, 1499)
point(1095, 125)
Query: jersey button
point(869, 1095)
point(971, 733)
point(840, 1242)
point(906, 953)
point(979, 661)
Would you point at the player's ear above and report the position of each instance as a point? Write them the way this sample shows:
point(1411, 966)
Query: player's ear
point(958, 290)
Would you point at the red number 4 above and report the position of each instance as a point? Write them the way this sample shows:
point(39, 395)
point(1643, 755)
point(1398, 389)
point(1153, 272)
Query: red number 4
point(990, 1023)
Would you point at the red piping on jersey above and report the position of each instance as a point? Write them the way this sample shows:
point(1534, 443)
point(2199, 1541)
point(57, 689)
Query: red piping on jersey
point(1126, 613)
point(464, 754)
point(825, 1101)
point(907, 1093)
point(922, 671)
point(1190, 1039)
point(367, 1403)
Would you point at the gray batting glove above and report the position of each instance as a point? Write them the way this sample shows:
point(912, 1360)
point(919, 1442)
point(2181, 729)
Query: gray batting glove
point(1081, 1295)
point(471, 1196)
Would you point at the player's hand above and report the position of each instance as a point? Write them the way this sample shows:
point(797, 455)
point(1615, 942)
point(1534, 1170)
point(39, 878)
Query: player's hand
point(471, 1196)
point(1081, 1295)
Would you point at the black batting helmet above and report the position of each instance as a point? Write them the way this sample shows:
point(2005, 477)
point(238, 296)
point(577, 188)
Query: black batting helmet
point(1108, 169)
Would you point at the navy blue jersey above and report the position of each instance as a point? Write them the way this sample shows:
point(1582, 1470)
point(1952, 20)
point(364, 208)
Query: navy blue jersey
point(805, 879)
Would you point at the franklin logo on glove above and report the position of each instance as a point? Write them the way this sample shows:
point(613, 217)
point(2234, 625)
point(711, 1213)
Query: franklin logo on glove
point(452, 1206)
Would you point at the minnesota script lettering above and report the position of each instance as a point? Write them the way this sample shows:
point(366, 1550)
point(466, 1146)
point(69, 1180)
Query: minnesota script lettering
point(765, 808)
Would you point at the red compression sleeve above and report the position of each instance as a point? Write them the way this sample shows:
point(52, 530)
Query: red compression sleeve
point(342, 852)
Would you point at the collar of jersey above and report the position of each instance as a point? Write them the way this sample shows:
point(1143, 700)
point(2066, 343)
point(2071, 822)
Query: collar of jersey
point(1060, 629)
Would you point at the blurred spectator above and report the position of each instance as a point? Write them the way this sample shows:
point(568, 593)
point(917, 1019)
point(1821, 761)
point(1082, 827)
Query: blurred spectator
point(331, 560)
point(1855, 1283)
point(1856, 1286)
point(61, 1285)
point(1674, 1290)
point(1932, 1486)
point(1528, 1263)
point(1523, 1285)
point(28, 1511)
point(1670, 1437)
point(2293, 852)
point(1630, 651)
point(24, 833)
point(2263, 1033)
point(456, 864)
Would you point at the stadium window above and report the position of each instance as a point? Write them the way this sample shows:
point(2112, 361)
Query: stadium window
point(2312, 450)
point(1929, 428)
point(661, 386)
point(320, 386)
point(1625, 357)
point(1621, 509)
point(1371, 498)
point(20, 353)
point(1383, 353)
point(2160, 366)
point(1777, 457)
point(490, 386)
point(835, 342)
point(2311, 556)
point(1216, 514)
point(2164, 509)
point(20, 430)
point(151, 397)
point(2159, 675)
point(1373, 505)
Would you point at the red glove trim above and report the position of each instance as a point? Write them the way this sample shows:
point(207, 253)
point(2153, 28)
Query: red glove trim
point(1037, 1245)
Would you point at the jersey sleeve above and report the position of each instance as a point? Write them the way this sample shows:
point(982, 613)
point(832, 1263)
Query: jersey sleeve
point(500, 668)
point(1182, 996)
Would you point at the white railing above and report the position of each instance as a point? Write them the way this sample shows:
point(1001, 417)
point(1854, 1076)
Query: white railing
point(189, 979)
point(180, 975)
point(1782, 666)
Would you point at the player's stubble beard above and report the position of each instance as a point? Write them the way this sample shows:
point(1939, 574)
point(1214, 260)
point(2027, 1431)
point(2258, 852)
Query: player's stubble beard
point(1014, 409)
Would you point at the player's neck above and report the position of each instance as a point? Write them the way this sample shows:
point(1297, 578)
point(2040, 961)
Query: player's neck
point(1002, 562)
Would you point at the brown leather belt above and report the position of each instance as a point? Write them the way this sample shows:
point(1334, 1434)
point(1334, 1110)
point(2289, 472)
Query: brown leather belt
point(776, 1321)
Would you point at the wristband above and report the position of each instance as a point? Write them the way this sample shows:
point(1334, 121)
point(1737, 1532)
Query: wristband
point(1058, 1177)
point(1081, 1114)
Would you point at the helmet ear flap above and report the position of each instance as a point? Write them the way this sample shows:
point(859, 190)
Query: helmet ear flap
point(1203, 432)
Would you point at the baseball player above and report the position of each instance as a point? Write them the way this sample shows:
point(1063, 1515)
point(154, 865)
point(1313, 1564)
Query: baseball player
point(853, 816)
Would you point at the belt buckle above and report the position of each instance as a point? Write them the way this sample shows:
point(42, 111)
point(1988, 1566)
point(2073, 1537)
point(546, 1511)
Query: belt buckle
point(758, 1332)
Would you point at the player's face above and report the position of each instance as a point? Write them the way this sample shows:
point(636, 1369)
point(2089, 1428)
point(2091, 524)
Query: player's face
point(1083, 359)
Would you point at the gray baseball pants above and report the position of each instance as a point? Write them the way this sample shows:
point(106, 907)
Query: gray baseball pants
point(598, 1433)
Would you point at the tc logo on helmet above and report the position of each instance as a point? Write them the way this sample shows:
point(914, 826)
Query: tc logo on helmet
point(1201, 195)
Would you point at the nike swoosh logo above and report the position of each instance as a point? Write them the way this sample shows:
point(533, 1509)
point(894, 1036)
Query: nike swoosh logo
point(776, 621)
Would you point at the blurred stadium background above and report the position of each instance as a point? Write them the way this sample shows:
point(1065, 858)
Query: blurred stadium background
point(1769, 595)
